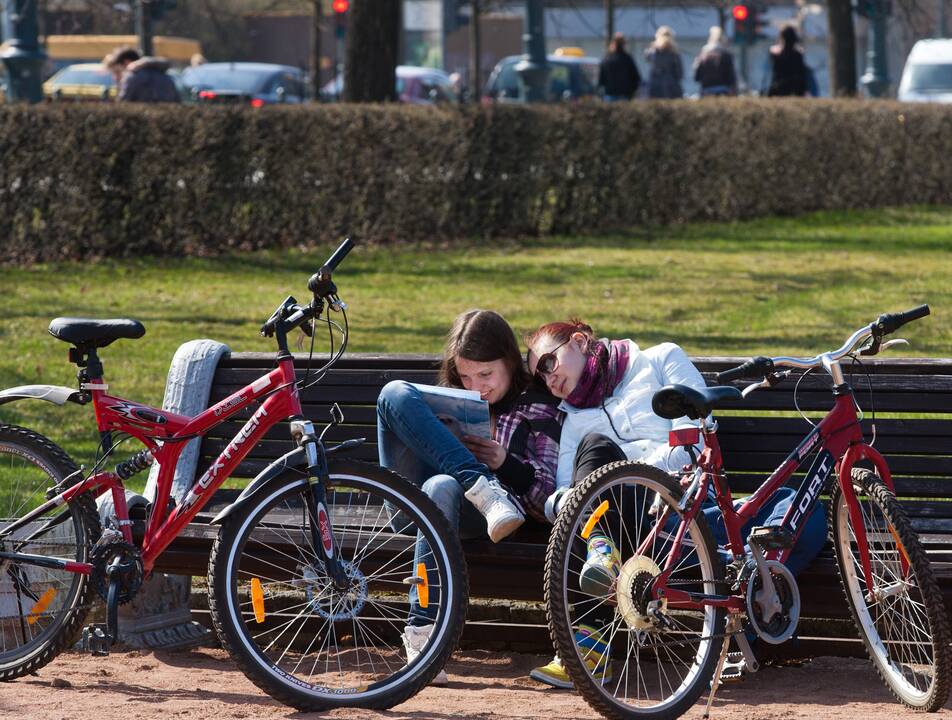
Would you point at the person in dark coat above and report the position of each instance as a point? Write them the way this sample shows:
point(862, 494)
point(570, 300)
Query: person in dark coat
point(143, 79)
point(666, 68)
point(714, 66)
point(618, 74)
point(788, 70)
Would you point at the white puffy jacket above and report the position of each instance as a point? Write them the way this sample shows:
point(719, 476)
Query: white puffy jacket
point(643, 435)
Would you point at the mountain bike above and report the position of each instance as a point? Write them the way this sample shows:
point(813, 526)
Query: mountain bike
point(667, 619)
point(310, 571)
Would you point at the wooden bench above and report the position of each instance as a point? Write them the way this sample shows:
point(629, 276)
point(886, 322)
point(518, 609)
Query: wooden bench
point(913, 404)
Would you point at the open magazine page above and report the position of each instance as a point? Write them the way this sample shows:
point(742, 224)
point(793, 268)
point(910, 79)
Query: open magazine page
point(462, 411)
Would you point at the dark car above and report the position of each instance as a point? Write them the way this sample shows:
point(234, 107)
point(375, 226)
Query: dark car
point(244, 82)
point(572, 75)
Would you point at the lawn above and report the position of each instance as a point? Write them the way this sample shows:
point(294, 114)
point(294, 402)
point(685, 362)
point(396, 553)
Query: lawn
point(796, 285)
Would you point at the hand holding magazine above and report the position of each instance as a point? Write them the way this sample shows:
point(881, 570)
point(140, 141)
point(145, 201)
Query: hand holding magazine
point(462, 411)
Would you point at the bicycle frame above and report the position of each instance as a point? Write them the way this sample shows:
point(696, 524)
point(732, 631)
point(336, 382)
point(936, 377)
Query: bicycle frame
point(839, 443)
point(166, 435)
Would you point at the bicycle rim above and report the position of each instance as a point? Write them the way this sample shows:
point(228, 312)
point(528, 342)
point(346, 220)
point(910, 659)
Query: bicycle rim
point(314, 647)
point(901, 618)
point(40, 608)
point(656, 669)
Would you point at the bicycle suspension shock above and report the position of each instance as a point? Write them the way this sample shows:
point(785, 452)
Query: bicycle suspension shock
point(136, 464)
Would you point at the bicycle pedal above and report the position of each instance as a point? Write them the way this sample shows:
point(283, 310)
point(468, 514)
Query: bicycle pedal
point(96, 640)
point(771, 537)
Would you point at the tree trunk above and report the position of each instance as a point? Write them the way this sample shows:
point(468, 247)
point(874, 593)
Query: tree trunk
point(842, 48)
point(373, 38)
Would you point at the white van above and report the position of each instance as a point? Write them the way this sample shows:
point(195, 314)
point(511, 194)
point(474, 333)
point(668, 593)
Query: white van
point(927, 76)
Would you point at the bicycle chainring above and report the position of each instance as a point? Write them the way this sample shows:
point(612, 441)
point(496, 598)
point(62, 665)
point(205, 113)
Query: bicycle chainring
point(131, 570)
point(782, 623)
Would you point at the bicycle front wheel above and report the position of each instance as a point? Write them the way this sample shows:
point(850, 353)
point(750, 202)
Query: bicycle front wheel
point(310, 645)
point(41, 609)
point(630, 657)
point(900, 618)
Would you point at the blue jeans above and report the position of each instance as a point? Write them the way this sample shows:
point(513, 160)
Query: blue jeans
point(811, 540)
point(465, 521)
point(413, 442)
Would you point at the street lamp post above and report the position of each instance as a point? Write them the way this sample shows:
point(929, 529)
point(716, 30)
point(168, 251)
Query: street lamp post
point(876, 77)
point(144, 25)
point(23, 55)
point(533, 68)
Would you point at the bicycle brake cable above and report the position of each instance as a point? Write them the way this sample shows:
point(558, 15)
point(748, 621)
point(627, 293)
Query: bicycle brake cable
point(872, 402)
point(796, 402)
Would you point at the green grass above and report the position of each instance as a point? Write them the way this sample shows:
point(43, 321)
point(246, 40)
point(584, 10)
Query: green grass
point(772, 286)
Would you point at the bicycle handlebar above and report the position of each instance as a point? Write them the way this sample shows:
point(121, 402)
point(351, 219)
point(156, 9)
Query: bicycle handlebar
point(886, 323)
point(320, 283)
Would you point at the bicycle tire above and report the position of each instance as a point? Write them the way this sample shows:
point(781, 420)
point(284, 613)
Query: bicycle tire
point(41, 610)
point(563, 596)
point(896, 658)
point(236, 560)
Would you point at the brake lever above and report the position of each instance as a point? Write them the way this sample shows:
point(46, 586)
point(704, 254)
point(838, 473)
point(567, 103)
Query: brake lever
point(336, 304)
point(769, 380)
point(894, 341)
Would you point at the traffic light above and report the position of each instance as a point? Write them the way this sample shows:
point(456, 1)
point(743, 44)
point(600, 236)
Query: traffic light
point(749, 23)
point(340, 8)
point(741, 14)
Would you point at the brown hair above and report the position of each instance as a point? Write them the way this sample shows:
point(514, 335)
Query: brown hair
point(617, 43)
point(483, 336)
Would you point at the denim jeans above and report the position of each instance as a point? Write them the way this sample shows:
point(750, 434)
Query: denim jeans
point(465, 521)
point(413, 442)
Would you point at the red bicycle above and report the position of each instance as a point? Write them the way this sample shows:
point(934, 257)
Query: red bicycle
point(309, 574)
point(675, 600)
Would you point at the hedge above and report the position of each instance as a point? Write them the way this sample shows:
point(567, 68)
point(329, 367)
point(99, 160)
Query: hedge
point(91, 180)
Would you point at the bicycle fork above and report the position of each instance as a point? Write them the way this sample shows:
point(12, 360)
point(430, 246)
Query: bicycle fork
point(322, 535)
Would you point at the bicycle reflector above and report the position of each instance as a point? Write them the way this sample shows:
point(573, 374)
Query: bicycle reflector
point(593, 521)
point(422, 586)
point(40, 607)
point(257, 600)
point(684, 436)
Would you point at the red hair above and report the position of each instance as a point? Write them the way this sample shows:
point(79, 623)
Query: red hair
point(561, 331)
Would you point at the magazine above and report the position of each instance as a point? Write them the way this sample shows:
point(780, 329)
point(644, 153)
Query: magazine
point(462, 411)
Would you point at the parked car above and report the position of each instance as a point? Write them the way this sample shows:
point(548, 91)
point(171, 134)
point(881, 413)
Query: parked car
point(927, 76)
point(245, 82)
point(414, 85)
point(82, 81)
point(572, 75)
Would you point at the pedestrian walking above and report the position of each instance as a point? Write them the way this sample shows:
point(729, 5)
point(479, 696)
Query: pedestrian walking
point(142, 79)
point(714, 66)
point(618, 74)
point(666, 68)
point(788, 71)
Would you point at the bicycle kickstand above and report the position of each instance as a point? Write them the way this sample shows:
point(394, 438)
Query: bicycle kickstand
point(732, 627)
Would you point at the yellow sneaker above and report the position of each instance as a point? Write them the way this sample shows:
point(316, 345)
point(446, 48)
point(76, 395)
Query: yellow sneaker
point(601, 568)
point(593, 652)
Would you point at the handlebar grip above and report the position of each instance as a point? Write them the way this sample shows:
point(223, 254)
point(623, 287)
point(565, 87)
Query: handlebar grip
point(339, 254)
point(890, 322)
point(755, 367)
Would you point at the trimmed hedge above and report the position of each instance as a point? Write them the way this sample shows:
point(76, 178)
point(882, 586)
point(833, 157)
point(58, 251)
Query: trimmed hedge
point(83, 181)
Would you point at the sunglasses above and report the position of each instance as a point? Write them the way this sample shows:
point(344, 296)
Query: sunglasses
point(548, 362)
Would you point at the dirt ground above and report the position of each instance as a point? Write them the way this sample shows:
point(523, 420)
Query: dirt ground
point(205, 684)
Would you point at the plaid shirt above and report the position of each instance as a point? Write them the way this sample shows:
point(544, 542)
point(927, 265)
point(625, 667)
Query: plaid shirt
point(529, 431)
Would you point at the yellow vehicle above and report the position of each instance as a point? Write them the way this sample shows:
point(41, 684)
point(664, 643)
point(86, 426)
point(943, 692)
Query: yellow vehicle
point(64, 50)
point(82, 81)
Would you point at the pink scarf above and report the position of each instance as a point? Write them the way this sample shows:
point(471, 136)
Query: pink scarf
point(603, 371)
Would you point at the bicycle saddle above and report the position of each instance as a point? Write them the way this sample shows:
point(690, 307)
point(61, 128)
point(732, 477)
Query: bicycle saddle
point(95, 333)
point(674, 401)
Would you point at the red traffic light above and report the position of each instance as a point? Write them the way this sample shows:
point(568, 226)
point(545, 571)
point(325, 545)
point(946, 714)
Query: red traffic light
point(340, 6)
point(740, 12)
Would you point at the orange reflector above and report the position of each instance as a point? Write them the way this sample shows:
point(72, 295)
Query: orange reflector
point(40, 607)
point(593, 521)
point(423, 589)
point(257, 600)
point(902, 549)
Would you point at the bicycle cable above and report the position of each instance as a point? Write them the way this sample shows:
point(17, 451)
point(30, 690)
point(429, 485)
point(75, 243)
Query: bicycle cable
point(872, 402)
point(796, 401)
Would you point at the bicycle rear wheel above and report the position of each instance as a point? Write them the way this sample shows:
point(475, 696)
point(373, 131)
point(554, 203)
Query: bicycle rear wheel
point(657, 665)
point(41, 609)
point(901, 619)
point(298, 638)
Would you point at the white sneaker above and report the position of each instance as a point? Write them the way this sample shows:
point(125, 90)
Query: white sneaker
point(501, 513)
point(414, 639)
